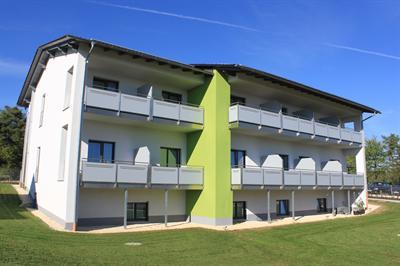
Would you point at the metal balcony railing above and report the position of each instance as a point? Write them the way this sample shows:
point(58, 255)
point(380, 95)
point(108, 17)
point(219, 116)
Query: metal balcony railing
point(143, 105)
point(263, 117)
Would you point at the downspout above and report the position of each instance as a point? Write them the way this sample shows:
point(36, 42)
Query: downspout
point(92, 44)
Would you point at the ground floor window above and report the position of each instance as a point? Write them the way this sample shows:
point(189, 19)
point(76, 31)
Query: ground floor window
point(137, 211)
point(322, 205)
point(239, 210)
point(282, 207)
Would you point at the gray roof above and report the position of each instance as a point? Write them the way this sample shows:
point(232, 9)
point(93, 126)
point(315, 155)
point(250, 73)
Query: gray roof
point(232, 69)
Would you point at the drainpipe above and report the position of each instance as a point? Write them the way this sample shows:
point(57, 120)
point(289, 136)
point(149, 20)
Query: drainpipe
point(92, 44)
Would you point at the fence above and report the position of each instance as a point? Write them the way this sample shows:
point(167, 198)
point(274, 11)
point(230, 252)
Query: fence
point(7, 174)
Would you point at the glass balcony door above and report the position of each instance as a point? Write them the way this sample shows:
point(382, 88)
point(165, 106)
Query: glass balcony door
point(170, 157)
point(101, 151)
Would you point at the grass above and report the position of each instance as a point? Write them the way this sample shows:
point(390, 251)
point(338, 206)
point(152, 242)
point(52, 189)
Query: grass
point(369, 240)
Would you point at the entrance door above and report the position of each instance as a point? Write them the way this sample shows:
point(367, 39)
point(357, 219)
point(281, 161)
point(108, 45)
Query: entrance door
point(170, 157)
point(322, 205)
point(239, 210)
point(282, 207)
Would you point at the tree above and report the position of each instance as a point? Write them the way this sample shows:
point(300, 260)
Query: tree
point(375, 159)
point(391, 145)
point(12, 128)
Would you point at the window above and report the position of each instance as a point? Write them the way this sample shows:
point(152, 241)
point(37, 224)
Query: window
point(42, 110)
point(105, 84)
point(238, 158)
point(238, 100)
point(36, 177)
point(170, 157)
point(285, 159)
point(322, 205)
point(239, 210)
point(68, 87)
point(282, 207)
point(284, 110)
point(101, 151)
point(171, 97)
point(137, 211)
point(63, 150)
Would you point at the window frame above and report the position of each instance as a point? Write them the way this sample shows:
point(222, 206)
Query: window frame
point(37, 169)
point(237, 100)
point(42, 110)
point(278, 207)
point(134, 210)
point(104, 80)
point(166, 94)
point(63, 151)
point(68, 88)
point(235, 210)
point(325, 209)
point(179, 150)
point(285, 158)
point(236, 158)
point(102, 150)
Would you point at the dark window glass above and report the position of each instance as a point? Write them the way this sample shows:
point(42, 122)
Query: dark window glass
point(282, 207)
point(285, 159)
point(238, 158)
point(137, 211)
point(171, 97)
point(105, 84)
point(170, 157)
point(284, 110)
point(238, 100)
point(100, 151)
point(322, 205)
point(239, 210)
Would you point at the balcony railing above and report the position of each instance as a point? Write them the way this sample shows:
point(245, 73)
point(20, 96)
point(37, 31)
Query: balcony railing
point(269, 176)
point(260, 117)
point(125, 173)
point(143, 105)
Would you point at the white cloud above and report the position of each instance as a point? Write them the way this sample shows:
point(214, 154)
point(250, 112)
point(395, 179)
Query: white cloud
point(12, 67)
point(362, 51)
point(168, 14)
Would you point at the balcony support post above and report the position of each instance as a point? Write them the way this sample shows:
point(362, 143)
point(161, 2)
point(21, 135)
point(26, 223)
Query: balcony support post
point(166, 208)
point(125, 208)
point(348, 201)
point(269, 206)
point(293, 209)
point(333, 202)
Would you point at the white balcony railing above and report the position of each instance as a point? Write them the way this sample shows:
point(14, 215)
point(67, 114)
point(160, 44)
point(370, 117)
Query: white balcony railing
point(260, 117)
point(140, 174)
point(141, 105)
point(264, 176)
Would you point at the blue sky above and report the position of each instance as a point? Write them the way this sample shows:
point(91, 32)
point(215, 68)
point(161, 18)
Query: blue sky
point(349, 48)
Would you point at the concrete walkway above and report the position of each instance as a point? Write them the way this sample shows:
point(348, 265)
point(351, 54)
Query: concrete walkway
point(185, 225)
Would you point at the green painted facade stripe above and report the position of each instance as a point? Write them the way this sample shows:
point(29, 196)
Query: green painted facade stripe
point(211, 148)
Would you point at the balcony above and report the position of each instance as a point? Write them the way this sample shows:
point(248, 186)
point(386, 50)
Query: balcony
point(148, 107)
point(268, 177)
point(124, 174)
point(300, 126)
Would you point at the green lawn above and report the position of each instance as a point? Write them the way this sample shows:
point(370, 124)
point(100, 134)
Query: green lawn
point(369, 240)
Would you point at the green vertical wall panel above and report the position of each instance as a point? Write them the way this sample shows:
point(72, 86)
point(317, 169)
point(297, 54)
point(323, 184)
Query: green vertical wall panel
point(211, 148)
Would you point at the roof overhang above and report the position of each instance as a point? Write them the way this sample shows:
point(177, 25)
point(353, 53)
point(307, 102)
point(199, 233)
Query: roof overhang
point(44, 52)
point(233, 69)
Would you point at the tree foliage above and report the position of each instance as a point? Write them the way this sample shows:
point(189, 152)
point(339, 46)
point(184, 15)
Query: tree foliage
point(383, 160)
point(12, 128)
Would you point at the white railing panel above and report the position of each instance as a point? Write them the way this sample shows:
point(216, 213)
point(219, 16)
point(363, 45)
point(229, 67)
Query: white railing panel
point(357, 137)
point(321, 129)
point(307, 178)
point(165, 110)
point(336, 179)
point(359, 180)
point(236, 176)
point(323, 179)
point(292, 178)
point(273, 177)
point(290, 123)
point(164, 175)
point(99, 172)
point(190, 176)
point(252, 176)
point(249, 115)
point(306, 126)
point(333, 132)
point(270, 119)
point(233, 113)
point(191, 114)
point(132, 174)
point(102, 99)
point(347, 134)
point(135, 104)
point(348, 180)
